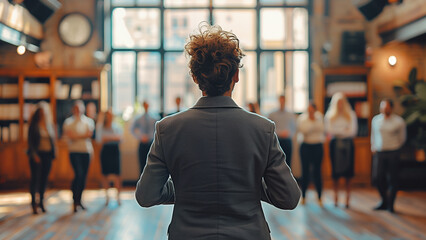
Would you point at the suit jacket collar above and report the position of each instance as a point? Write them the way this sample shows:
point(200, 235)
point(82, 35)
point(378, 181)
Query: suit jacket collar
point(215, 102)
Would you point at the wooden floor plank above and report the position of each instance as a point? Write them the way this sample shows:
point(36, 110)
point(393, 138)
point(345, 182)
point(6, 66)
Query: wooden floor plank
point(129, 221)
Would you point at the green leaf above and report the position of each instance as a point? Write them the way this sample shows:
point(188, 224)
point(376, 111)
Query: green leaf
point(412, 77)
point(421, 90)
point(422, 118)
point(412, 118)
point(407, 99)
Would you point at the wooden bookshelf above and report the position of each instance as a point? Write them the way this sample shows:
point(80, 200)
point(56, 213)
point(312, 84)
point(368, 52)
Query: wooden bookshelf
point(14, 166)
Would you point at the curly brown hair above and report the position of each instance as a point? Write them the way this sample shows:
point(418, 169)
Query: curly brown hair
point(215, 57)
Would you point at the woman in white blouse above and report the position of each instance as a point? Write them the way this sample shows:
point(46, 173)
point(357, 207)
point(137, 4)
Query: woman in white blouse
point(109, 135)
point(311, 126)
point(341, 126)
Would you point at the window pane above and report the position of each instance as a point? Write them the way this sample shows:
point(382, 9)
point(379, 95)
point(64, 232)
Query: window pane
point(179, 24)
point(186, 3)
point(272, 30)
point(281, 2)
point(272, 2)
point(123, 2)
point(230, 20)
point(245, 90)
point(149, 67)
point(271, 80)
point(284, 28)
point(136, 28)
point(147, 2)
point(123, 80)
point(297, 80)
point(234, 3)
point(300, 28)
point(178, 82)
point(296, 2)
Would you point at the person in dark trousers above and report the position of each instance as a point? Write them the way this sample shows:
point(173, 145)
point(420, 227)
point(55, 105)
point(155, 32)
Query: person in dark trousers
point(311, 126)
point(388, 134)
point(286, 127)
point(222, 160)
point(41, 152)
point(78, 130)
point(143, 130)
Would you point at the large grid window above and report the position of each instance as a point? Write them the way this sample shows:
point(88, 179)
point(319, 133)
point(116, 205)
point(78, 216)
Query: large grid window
point(148, 63)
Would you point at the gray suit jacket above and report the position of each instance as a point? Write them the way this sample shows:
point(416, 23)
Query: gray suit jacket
point(223, 161)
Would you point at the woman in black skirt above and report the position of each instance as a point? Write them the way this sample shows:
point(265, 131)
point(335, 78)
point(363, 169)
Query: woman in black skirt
point(109, 135)
point(341, 126)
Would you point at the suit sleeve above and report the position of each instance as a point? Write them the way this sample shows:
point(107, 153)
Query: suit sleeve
point(279, 186)
point(154, 186)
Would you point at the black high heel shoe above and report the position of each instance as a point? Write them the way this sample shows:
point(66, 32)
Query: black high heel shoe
point(42, 207)
point(34, 206)
point(82, 207)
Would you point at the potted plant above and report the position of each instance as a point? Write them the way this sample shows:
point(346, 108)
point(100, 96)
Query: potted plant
point(412, 95)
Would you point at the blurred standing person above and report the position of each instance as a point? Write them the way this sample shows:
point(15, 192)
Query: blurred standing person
point(285, 122)
point(253, 107)
point(311, 125)
point(92, 113)
point(341, 125)
point(109, 134)
point(41, 152)
point(178, 101)
point(78, 129)
point(143, 130)
point(388, 134)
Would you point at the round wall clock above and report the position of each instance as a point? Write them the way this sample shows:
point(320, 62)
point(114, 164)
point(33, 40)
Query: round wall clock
point(75, 29)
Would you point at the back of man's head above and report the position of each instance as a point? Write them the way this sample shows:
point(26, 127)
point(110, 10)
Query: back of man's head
point(215, 57)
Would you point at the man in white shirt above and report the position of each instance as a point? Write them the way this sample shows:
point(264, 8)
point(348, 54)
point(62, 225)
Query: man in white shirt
point(285, 123)
point(388, 134)
point(78, 129)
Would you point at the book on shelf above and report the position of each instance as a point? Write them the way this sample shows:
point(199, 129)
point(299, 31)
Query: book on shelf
point(362, 109)
point(14, 132)
point(350, 89)
point(36, 90)
point(5, 134)
point(9, 112)
point(95, 89)
point(9, 91)
point(61, 90)
point(76, 91)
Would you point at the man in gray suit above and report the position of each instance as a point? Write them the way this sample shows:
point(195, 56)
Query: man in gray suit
point(223, 161)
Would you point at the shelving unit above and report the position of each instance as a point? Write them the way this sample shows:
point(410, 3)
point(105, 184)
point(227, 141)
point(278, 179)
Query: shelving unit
point(355, 83)
point(38, 85)
point(9, 109)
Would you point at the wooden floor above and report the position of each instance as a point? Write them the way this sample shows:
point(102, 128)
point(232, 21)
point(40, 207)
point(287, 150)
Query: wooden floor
point(129, 221)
